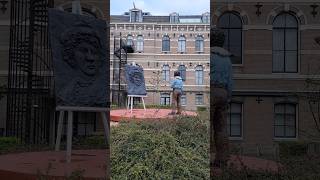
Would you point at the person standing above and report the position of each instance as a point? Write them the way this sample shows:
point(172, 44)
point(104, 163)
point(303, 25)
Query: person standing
point(177, 87)
point(221, 91)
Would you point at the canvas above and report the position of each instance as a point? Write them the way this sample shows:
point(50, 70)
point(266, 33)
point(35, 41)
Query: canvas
point(135, 80)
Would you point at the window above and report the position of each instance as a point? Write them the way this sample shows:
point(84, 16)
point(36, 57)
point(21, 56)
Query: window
point(166, 43)
point(183, 100)
point(199, 99)
point(129, 40)
point(174, 18)
point(199, 43)
point(285, 120)
point(165, 99)
point(136, 15)
point(166, 73)
point(235, 120)
point(84, 11)
point(231, 24)
point(199, 75)
point(206, 18)
point(139, 43)
point(182, 70)
point(182, 44)
point(285, 44)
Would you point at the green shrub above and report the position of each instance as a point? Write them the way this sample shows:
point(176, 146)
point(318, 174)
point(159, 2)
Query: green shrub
point(91, 142)
point(8, 144)
point(201, 108)
point(153, 106)
point(172, 149)
point(295, 148)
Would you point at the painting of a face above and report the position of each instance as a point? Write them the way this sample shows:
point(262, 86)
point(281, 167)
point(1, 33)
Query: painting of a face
point(136, 78)
point(87, 58)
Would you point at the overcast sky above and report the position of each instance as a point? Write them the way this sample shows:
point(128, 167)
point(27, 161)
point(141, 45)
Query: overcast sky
point(161, 7)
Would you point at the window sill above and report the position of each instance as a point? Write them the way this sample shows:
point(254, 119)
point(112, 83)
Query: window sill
point(199, 52)
point(286, 73)
point(237, 65)
point(236, 138)
point(285, 139)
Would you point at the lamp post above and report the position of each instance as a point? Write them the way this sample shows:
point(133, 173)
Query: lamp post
point(3, 6)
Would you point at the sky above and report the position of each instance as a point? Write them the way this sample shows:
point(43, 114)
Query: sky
point(161, 7)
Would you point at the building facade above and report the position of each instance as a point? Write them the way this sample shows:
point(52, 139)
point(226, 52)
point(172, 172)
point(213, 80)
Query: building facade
point(85, 123)
point(162, 45)
point(275, 53)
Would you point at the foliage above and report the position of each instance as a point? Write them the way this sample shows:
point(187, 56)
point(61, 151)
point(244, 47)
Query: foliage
point(201, 108)
point(90, 142)
point(8, 144)
point(154, 106)
point(172, 149)
point(294, 148)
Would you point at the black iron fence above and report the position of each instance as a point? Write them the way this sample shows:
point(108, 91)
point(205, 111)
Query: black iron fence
point(30, 107)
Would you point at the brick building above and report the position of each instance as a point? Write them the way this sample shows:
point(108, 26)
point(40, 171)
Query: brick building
point(17, 13)
point(275, 52)
point(162, 45)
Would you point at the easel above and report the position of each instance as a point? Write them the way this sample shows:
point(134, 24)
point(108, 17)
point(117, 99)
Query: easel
point(130, 101)
point(70, 110)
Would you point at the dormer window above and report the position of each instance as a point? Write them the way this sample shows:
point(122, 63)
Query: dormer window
point(206, 17)
point(174, 18)
point(136, 15)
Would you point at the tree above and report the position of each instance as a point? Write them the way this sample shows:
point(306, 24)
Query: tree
point(155, 81)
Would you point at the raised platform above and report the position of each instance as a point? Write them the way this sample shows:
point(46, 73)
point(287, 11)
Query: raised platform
point(140, 114)
point(52, 165)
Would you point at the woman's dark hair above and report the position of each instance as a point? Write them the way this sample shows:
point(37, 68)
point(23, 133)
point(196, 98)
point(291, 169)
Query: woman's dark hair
point(176, 73)
point(217, 38)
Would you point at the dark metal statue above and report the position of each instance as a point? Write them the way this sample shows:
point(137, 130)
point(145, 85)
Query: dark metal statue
point(80, 60)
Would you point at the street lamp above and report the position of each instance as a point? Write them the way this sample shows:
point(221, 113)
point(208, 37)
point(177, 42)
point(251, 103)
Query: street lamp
point(3, 5)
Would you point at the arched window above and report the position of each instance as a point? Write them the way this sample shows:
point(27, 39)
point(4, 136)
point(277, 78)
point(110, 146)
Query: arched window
point(166, 72)
point(199, 43)
point(199, 75)
point(231, 24)
point(139, 43)
point(285, 44)
point(129, 40)
point(285, 120)
point(165, 43)
point(182, 70)
point(182, 44)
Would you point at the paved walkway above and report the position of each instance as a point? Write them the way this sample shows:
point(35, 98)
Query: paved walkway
point(30, 165)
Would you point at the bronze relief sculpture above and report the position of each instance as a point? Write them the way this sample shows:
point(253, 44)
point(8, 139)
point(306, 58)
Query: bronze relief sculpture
point(80, 61)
